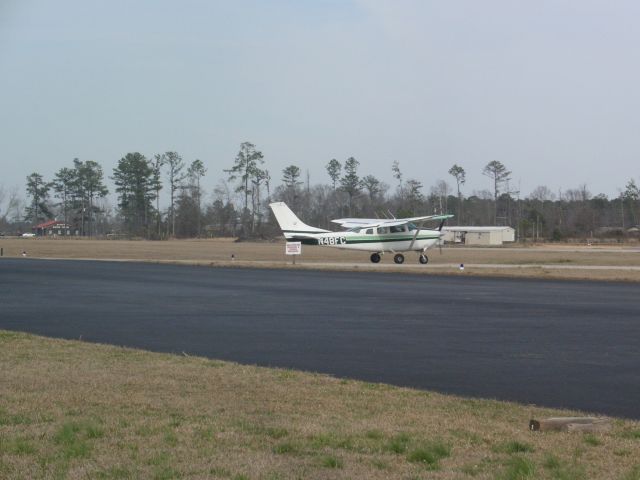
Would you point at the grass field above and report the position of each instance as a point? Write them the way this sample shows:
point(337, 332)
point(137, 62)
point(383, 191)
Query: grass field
point(70, 409)
point(574, 262)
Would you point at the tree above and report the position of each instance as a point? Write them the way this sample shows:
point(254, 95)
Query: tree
point(397, 174)
point(89, 181)
point(186, 213)
point(63, 184)
point(290, 176)
point(156, 181)
point(461, 177)
point(350, 182)
point(632, 195)
point(38, 190)
point(499, 174)
point(175, 165)
point(133, 178)
point(414, 195)
point(195, 172)
point(373, 186)
point(258, 178)
point(246, 163)
point(3, 216)
point(334, 168)
point(441, 193)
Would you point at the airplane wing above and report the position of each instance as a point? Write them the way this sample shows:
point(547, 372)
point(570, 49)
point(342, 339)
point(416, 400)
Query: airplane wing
point(355, 222)
point(377, 222)
point(428, 218)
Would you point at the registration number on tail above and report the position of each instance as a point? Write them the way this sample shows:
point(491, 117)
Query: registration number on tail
point(332, 241)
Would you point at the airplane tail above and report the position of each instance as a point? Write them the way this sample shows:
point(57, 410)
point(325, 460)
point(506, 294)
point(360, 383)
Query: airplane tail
point(292, 227)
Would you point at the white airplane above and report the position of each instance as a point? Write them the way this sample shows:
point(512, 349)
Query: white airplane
point(369, 234)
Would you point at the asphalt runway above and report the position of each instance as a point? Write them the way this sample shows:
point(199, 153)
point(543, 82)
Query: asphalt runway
point(552, 343)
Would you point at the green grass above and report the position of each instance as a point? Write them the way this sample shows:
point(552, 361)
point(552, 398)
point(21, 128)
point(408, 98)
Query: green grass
point(13, 419)
point(513, 447)
point(518, 468)
point(330, 461)
point(592, 440)
point(429, 454)
point(77, 410)
point(398, 444)
point(18, 446)
point(562, 470)
point(72, 439)
point(633, 474)
point(631, 434)
point(286, 448)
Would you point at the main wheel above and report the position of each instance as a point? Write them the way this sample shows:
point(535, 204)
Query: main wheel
point(398, 258)
point(375, 257)
point(424, 259)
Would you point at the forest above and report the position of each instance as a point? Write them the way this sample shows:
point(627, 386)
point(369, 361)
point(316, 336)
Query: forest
point(163, 196)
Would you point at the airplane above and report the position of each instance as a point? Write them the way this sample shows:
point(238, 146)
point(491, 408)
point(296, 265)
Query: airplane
point(369, 234)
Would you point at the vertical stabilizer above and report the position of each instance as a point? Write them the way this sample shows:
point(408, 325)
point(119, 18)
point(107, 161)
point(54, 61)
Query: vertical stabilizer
point(289, 223)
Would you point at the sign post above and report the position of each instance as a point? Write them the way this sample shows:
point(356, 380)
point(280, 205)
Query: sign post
point(293, 248)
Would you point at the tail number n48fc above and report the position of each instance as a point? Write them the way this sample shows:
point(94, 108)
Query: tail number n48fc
point(332, 241)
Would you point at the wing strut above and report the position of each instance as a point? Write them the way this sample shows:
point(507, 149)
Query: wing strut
point(415, 235)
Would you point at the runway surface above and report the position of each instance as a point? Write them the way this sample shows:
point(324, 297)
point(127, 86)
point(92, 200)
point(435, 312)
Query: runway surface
point(553, 343)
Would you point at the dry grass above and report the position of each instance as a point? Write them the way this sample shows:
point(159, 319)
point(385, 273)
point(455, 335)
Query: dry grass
point(572, 262)
point(70, 409)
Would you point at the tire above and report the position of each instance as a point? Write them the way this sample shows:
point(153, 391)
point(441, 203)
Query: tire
point(375, 257)
point(424, 259)
point(398, 258)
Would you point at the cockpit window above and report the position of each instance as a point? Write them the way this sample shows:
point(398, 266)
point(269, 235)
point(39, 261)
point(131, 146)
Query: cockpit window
point(383, 230)
point(397, 228)
point(412, 227)
point(369, 231)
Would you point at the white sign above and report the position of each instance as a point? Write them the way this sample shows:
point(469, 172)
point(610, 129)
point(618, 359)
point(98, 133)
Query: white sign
point(293, 248)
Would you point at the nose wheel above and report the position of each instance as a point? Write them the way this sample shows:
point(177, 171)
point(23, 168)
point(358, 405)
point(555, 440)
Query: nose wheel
point(398, 258)
point(375, 257)
point(424, 259)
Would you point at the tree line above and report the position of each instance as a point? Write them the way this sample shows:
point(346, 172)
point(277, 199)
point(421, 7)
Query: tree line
point(238, 204)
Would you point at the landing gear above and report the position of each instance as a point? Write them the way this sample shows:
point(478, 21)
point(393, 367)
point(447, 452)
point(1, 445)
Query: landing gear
point(398, 258)
point(424, 259)
point(375, 257)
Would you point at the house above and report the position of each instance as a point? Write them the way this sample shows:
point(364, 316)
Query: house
point(51, 228)
point(479, 235)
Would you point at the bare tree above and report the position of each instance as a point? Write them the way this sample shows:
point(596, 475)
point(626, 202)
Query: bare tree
point(441, 192)
point(414, 196)
point(542, 193)
point(156, 179)
point(175, 165)
point(632, 195)
point(195, 172)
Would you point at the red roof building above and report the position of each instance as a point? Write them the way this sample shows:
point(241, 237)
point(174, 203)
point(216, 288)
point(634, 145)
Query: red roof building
point(51, 228)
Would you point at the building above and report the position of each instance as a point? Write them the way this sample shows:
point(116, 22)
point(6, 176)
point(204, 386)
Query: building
point(52, 228)
point(479, 235)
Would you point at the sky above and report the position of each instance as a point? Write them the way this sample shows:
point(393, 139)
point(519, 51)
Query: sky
point(549, 88)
